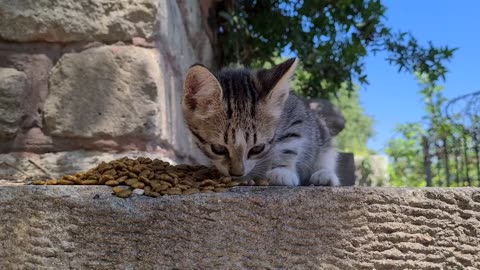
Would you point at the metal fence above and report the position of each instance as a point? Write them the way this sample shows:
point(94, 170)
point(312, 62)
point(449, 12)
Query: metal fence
point(452, 157)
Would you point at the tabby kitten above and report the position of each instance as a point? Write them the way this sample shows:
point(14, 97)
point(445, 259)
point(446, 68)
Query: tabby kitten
point(250, 125)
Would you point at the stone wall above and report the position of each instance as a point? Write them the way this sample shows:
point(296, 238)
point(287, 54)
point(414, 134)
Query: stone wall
point(101, 75)
point(90, 81)
point(372, 171)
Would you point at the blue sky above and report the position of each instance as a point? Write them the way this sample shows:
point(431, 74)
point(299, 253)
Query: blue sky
point(392, 97)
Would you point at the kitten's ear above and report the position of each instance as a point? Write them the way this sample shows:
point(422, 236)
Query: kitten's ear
point(275, 84)
point(202, 92)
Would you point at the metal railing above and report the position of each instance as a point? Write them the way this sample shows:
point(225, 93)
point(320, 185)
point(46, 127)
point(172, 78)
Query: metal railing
point(452, 157)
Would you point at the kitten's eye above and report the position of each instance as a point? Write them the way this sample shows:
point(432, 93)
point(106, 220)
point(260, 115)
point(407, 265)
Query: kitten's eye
point(219, 150)
point(256, 150)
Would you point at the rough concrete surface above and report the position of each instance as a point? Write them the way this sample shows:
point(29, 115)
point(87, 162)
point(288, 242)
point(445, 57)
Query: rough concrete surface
point(71, 227)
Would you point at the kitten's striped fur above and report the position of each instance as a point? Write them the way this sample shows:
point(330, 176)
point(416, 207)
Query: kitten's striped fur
point(233, 114)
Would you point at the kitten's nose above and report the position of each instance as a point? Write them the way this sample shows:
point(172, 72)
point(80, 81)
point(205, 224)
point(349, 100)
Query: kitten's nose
point(237, 167)
point(236, 172)
point(235, 175)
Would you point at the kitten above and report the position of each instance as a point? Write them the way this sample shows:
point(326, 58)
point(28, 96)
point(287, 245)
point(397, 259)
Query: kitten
point(250, 125)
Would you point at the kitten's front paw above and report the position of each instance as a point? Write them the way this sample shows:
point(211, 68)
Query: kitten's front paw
point(324, 178)
point(283, 177)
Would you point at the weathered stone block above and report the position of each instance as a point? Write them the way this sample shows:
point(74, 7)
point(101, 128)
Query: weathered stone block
point(36, 61)
point(70, 20)
point(105, 92)
point(85, 227)
point(144, 111)
point(183, 34)
point(196, 30)
point(346, 169)
point(372, 171)
point(172, 39)
point(13, 84)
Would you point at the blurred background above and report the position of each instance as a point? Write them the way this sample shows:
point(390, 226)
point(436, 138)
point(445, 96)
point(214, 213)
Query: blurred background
point(92, 81)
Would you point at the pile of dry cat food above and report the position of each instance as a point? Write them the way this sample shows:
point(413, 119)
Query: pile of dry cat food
point(152, 178)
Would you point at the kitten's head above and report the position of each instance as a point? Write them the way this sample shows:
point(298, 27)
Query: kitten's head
point(233, 114)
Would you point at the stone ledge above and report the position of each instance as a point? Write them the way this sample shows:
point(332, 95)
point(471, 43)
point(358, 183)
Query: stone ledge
point(274, 227)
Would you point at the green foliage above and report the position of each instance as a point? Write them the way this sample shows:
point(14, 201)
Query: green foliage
point(331, 38)
point(405, 151)
point(438, 145)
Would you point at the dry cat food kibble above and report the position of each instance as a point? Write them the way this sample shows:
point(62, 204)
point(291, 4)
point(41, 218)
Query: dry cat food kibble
point(154, 177)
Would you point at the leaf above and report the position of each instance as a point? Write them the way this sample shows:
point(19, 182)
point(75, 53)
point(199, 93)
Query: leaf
point(331, 38)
